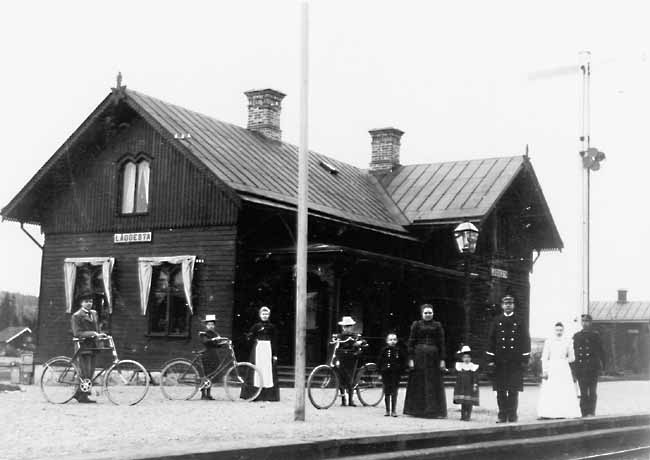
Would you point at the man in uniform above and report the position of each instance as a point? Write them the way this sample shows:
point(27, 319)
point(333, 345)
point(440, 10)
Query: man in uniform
point(589, 357)
point(508, 351)
point(86, 329)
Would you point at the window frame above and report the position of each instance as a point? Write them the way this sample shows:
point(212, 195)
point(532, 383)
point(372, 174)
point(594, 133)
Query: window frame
point(135, 160)
point(170, 293)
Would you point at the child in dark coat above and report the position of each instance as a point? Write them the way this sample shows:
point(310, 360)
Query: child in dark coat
point(466, 390)
point(391, 364)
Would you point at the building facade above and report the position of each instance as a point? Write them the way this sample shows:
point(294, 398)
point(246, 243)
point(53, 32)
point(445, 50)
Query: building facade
point(168, 215)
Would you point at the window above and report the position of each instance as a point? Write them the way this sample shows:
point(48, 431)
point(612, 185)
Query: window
point(168, 311)
point(135, 187)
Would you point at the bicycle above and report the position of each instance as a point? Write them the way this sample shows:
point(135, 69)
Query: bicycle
point(125, 381)
point(324, 382)
point(181, 378)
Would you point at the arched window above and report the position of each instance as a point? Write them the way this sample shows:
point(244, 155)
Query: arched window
point(135, 186)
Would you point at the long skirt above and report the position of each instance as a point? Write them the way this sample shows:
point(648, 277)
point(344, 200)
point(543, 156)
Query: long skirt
point(262, 357)
point(558, 397)
point(425, 392)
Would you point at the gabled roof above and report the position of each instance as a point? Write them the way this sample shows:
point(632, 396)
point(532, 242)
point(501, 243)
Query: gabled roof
point(620, 312)
point(12, 332)
point(255, 168)
point(252, 164)
point(452, 190)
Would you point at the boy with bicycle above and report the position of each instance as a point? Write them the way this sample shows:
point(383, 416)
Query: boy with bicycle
point(351, 345)
point(86, 328)
point(210, 358)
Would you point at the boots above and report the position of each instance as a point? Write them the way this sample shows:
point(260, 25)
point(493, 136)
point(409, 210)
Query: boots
point(387, 404)
point(205, 394)
point(466, 412)
point(393, 403)
point(343, 400)
point(350, 400)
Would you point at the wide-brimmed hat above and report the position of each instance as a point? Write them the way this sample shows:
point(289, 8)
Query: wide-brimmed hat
point(347, 321)
point(209, 318)
point(465, 350)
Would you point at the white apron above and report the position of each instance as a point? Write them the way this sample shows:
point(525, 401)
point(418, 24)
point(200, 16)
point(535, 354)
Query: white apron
point(264, 362)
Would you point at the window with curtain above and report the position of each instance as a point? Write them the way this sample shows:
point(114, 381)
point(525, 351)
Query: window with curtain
point(135, 187)
point(168, 311)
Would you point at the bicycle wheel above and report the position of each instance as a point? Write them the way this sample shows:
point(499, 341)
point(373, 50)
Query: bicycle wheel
point(239, 382)
point(60, 380)
point(369, 388)
point(179, 380)
point(126, 383)
point(323, 386)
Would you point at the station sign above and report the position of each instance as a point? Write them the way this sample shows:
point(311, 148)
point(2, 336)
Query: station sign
point(138, 237)
point(499, 273)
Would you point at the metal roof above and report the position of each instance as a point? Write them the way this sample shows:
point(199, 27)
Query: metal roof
point(624, 312)
point(250, 163)
point(250, 166)
point(451, 190)
point(10, 333)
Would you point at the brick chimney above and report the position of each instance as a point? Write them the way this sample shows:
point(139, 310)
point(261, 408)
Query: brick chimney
point(264, 107)
point(385, 149)
point(622, 296)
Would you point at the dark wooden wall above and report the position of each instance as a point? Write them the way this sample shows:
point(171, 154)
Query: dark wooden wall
point(212, 289)
point(180, 194)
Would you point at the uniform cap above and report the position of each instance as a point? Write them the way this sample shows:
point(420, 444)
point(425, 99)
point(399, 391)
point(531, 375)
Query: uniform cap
point(507, 298)
point(586, 318)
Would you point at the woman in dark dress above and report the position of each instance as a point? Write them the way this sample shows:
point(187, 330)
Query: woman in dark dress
point(425, 393)
point(264, 355)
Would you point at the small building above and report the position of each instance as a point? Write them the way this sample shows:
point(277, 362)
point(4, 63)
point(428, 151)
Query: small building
point(625, 329)
point(14, 339)
point(167, 214)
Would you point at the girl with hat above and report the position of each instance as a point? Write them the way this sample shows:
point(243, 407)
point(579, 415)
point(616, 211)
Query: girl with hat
point(350, 347)
point(466, 389)
point(264, 354)
point(210, 358)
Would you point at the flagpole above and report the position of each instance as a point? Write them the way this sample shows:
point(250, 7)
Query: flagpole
point(301, 250)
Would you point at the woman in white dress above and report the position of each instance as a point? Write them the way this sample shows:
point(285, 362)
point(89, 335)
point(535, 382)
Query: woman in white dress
point(557, 396)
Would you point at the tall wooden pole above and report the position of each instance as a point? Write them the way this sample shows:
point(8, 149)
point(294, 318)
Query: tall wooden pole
point(301, 250)
point(585, 141)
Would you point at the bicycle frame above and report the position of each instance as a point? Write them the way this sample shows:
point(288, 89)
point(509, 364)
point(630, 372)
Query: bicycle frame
point(332, 363)
point(221, 368)
point(79, 349)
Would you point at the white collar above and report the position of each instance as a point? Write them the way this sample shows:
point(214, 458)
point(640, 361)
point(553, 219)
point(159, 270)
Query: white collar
point(508, 315)
point(460, 366)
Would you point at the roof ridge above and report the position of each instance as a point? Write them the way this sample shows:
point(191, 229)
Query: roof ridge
point(501, 157)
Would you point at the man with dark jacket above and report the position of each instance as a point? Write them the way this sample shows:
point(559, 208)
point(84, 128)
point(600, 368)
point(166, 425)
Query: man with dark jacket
point(85, 328)
point(508, 351)
point(587, 365)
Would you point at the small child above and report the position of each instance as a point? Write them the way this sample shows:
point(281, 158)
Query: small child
point(211, 341)
point(466, 390)
point(391, 364)
point(350, 348)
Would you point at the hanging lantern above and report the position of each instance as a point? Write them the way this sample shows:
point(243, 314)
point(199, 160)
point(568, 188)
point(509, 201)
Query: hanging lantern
point(466, 235)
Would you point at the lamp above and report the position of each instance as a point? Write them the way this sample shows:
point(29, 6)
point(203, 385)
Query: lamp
point(466, 236)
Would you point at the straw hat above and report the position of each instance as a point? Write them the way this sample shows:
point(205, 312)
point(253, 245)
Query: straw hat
point(209, 318)
point(465, 349)
point(347, 321)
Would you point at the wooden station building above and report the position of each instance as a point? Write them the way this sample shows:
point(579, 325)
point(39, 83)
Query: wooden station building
point(168, 215)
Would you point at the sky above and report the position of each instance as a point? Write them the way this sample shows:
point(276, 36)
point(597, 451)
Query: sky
point(463, 80)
